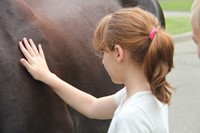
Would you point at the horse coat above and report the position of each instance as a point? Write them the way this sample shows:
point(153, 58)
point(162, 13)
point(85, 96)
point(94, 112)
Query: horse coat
point(65, 29)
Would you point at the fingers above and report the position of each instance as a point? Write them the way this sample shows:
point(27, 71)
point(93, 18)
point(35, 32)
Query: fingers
point(35, 62)
point(28, 47)
point(34, 48)
point(25, 64)
point(24, 51)
point(41, 51)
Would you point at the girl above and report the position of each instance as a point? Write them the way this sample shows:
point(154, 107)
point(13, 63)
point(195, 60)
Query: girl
point(137, 53)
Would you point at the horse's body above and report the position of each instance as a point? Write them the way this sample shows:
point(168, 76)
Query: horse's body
point(65, 29)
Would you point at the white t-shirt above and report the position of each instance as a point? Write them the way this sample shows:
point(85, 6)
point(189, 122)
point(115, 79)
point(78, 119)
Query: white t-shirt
point(141, 113)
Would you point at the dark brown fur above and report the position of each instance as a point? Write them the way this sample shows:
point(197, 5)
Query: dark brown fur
point(65, 28)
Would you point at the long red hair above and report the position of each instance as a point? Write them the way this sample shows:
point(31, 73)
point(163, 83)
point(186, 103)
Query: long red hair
point(130, 28)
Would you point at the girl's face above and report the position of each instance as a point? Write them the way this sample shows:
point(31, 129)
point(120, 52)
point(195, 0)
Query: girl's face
point(111, 65)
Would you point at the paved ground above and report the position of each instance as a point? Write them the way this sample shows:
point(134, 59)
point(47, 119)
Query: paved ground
point(184, 114)
point(177, 13)
point(185, 108)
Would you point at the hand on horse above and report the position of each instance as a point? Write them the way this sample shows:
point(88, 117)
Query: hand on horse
point(35, 62)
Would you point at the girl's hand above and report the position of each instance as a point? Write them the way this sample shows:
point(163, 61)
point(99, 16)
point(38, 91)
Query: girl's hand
point(35, 62)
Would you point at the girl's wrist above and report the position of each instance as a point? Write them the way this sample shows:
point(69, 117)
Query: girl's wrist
point(48, 78)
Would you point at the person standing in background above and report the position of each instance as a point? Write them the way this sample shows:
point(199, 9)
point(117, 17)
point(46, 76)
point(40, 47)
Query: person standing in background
point(196, 24)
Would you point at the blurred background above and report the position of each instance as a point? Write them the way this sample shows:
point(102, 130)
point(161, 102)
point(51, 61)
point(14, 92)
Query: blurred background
point(184, 112)
point(177, 15)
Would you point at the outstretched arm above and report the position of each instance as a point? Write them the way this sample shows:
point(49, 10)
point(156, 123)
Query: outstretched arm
point(35, 63)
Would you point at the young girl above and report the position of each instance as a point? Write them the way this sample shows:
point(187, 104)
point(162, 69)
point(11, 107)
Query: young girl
point(137, 53)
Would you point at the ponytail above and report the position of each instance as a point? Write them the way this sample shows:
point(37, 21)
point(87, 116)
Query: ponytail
point(158, 63)
point(133, 29)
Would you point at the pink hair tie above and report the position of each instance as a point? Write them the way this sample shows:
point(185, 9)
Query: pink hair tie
point(152, 34)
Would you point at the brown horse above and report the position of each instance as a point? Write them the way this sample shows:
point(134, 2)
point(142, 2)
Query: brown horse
point(65, 29)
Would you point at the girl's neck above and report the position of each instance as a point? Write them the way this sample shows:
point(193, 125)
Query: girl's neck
point(135, 81)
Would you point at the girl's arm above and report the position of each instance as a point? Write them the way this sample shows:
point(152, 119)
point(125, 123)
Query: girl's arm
point(35, 63)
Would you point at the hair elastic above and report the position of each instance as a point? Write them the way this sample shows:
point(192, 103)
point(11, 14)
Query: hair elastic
point(152, 34)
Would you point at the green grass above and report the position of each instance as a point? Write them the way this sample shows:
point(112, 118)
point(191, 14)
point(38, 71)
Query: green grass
point(178, 25)
point(176, 5)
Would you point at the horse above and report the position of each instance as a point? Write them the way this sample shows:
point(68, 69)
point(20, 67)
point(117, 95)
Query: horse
point(65, 30)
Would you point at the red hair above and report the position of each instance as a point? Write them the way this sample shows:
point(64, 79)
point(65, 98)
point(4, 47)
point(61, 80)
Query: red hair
point(130, 28)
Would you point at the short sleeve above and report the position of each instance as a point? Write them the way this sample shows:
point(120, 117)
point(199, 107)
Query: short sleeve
point(119, 95)
point(134, 120)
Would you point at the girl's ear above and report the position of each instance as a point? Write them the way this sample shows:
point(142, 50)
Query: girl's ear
point(119, 53)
